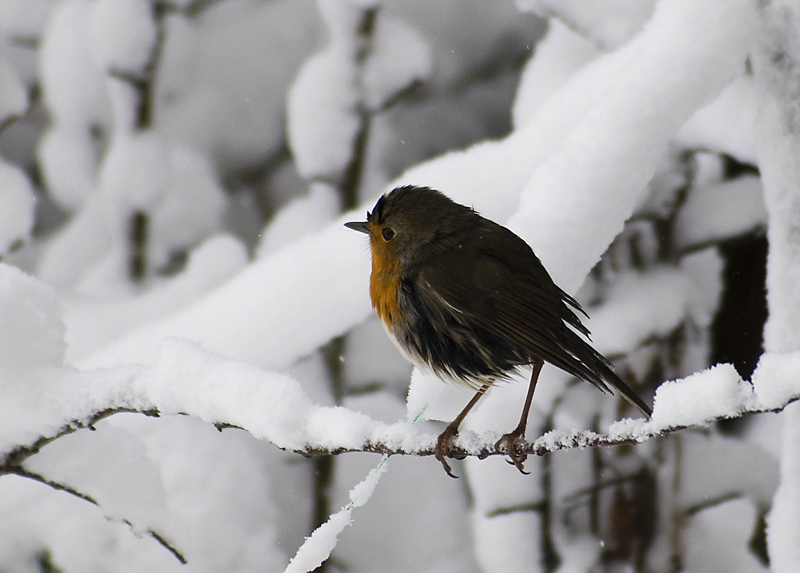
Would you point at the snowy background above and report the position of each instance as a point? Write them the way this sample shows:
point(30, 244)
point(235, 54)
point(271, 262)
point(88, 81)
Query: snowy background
point(185, 327)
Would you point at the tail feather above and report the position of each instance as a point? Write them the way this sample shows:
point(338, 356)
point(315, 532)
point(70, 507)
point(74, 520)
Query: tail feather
point(626, 392)
point(593, 367)
point(603, 370)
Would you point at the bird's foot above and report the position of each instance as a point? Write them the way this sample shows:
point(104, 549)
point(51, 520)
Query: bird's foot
point(443, 444)
point(511, 444)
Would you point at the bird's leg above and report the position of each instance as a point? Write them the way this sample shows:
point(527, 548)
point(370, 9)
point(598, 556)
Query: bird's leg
point(509, 442)
point(451, 431)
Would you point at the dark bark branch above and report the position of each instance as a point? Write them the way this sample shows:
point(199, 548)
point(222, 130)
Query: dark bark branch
point(559, 440)
point(58, 486)
point(14, 459)
point(166, 545)
point(551, 442)
point(22, 472)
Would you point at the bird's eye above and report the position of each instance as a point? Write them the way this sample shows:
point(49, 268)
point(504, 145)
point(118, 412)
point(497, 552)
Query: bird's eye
point(387, 234)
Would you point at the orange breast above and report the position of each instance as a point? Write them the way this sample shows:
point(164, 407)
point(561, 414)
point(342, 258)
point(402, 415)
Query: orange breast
point(383, 284)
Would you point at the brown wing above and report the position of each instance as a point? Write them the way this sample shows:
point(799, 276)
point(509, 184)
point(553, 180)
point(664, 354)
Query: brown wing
point(502, 286)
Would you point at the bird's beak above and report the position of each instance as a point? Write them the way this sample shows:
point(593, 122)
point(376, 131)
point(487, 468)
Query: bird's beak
point(360, 226)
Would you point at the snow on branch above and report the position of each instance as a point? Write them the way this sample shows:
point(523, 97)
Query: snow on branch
point(700, 399)
point(272, 407)
point(159, 537)
point(186, 380)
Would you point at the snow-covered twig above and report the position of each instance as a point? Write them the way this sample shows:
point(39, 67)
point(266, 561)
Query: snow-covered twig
point(273, 407)
point(19, 471)
point(415, 443)
point(189, 381)
point(625, 432)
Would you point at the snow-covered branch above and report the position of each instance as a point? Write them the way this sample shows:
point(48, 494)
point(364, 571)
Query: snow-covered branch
point(189, 381)
point(624, 432)
point(273, 407)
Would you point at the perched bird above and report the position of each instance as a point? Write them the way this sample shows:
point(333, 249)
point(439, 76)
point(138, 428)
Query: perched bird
point(467, 299)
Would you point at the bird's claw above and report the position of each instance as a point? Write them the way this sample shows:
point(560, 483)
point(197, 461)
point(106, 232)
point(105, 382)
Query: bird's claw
point(443, 444)
point(511, 445)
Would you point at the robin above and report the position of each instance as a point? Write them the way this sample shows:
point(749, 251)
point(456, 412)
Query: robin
point(467, 299)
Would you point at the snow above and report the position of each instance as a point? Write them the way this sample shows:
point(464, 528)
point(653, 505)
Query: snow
point(579, 554)
point(322, 143)
point(318, 547)
point(783, 273)
point(607, 102)
point(702, 396)
point(134, 172)
point(729, 525)
point(122, 34)
point(370, 356)
point(91, 324)
point(190, 207)
point(609, 25)
point(270, 406)
point(76, 248)
point(239, 318)
point(233, 113)
point(302, 216)
point(723, 466)
point(187, 380)
point(777, 378)
point(518, 491)
point(778, 147)
point(431, 399)
point(323, 124)
point(717, 392)
point(514, 534)
point(17, 198)
point(400, 56)
point(782, 522)
point(426, 530)
point(594, 193)
point(38, 335)
point(700, 222)
point(72, 82)
point(68, 165)
point(558, 56)
point(688, 290)
point(339, 427)
point(22, 17)
point(174, 185)
point(361, 493)
point(547, 159)
point(155, 485)
point(69, 542)
point(236, 495)
point(727, 124)
point(140, 501)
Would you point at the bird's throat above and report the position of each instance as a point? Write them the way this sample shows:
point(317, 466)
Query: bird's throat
point(383, 284)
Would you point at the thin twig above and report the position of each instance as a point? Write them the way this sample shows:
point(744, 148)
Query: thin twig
point(14, 459)
point(551, 442)
point(58, 486)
